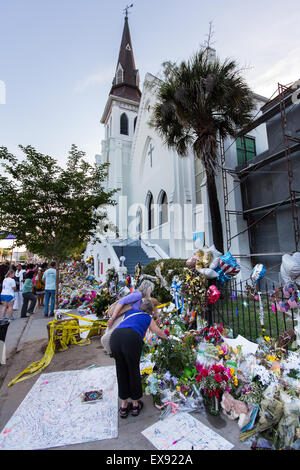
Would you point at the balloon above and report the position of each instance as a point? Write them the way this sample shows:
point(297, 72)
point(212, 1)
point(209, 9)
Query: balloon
point(209, 273)
point(228, 265)
point(213, 294)
point(290, 268)
point(257, 273)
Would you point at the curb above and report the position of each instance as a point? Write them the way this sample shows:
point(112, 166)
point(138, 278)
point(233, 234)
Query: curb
point(23, 334)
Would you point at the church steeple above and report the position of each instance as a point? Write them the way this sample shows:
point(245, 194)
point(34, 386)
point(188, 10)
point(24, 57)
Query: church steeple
point(126, 79)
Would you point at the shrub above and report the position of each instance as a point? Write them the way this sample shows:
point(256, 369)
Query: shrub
point(171, 267)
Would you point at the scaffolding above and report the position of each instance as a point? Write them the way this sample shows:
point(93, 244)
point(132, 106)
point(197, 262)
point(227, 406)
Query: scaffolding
point(282, 101)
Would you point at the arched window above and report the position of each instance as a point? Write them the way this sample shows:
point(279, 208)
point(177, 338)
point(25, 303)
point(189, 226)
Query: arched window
point(163, 208)
point(119, 74)
point(124, 124)
point(150, 209)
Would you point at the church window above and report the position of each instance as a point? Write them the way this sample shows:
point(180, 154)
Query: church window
point(119, 75)
point(124, 124)
point(163, 208)
point(150, 208)
point(199, 176)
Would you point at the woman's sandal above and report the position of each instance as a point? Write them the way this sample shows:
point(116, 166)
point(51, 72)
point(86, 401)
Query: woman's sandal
point(124, 411)
point(135, 410)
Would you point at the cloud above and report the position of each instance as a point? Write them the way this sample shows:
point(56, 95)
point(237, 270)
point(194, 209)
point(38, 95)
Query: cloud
point(95, 79)
point(286, 71)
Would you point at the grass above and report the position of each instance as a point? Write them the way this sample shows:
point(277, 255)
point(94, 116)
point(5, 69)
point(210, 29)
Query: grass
point(242, 315)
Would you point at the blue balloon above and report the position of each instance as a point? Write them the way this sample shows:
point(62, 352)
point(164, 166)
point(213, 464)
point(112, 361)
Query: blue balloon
point(258, 272)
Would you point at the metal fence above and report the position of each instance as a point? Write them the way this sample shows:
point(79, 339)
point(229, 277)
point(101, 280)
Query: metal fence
point(243, 312)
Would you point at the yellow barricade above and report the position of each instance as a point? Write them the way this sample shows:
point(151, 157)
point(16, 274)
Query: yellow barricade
point(65, 333)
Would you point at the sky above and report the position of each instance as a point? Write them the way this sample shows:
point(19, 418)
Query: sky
point(58, 58)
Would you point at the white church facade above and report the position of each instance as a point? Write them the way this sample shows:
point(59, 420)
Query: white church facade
point(162, 205)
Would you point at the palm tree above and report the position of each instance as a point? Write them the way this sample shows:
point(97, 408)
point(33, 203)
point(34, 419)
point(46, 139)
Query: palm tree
point(200, 101)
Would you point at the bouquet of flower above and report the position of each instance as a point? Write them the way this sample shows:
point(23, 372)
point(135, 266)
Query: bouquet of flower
point(215, 379)
point(193, 288)
point(213, 334)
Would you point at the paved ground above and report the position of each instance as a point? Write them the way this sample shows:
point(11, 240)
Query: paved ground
point(26, 342)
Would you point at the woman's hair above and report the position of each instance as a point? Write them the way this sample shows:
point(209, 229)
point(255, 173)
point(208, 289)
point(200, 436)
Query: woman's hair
point(147, 306)
point(29, 275)
point(146, 288)
point(10, 272)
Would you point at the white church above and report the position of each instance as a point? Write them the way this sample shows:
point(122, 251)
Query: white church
point(162, 206)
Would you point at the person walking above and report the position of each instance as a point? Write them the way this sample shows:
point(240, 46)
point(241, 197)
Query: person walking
point(8, 294)
point(28, 295)
point(126, 344)
point(50, 288)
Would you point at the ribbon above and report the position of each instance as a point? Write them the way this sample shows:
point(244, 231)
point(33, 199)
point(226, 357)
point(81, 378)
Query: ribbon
point(174, 406)
point(261, 310)
point(178, 299)
point(66, 333)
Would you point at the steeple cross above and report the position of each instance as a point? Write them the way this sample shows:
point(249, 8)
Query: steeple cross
point(151, 148)
point(126, 10)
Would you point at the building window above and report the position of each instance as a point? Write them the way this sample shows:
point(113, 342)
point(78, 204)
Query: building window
point(150, 209)
point(246, 149)
point(199, 176)
point(119, 75)
point(124, 124)
point(163, 208)
point(134, 123)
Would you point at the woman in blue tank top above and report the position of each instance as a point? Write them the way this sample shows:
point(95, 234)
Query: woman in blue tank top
point(126, 344)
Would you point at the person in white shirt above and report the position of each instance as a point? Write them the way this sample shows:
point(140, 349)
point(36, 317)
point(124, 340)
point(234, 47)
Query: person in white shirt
point(8, 294)
point(19, 274)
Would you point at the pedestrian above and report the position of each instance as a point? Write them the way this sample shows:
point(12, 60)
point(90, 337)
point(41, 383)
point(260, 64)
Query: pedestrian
point(50, 288)
point(40, 287)
point(8, 294)
point(28, 295)
point(126, 344)
point(132, 300)
point(19, 278)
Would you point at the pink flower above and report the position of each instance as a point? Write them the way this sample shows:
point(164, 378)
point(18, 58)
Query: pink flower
point(218, 378)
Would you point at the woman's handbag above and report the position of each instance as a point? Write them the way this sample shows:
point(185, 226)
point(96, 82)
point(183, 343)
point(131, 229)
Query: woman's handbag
point(105, 339)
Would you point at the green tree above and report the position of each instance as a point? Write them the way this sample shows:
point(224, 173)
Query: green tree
point(52, 210)
point(199, 101)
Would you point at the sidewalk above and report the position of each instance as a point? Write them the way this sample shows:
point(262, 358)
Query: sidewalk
point(26, 342)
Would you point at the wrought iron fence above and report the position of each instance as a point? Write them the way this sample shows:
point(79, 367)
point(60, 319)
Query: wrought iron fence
point(246, 315)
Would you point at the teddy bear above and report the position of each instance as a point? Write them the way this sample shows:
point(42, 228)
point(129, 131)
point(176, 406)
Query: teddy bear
point(234, 409)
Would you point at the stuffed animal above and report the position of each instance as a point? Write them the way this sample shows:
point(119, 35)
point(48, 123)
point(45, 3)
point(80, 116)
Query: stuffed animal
point(234, 409)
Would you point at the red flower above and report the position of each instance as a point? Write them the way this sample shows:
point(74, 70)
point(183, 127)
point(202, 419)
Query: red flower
point(166, 332)
point(204, 372)
point(198, 378)
point(218, 378)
